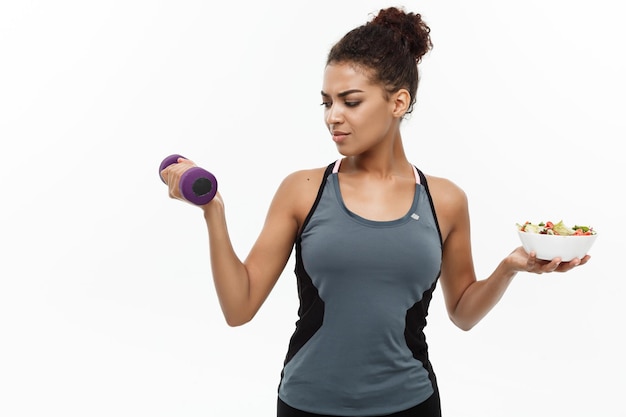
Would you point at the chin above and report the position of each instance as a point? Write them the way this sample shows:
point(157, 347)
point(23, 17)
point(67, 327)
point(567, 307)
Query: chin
point(346, 152)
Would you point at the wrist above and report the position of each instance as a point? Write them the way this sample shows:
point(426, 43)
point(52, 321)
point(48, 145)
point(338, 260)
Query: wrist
point(213, 209)
point(508, 267)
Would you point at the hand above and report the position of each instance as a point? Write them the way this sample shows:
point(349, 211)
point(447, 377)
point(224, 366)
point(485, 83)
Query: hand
point(172, 174)
point(528, 262)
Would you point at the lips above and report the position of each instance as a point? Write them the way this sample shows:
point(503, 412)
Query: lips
point(339, 136)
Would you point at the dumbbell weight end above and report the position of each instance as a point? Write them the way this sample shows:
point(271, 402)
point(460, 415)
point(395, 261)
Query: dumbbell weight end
point(198, 186)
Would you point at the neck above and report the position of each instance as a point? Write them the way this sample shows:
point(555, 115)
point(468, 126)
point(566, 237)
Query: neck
point(385, 162)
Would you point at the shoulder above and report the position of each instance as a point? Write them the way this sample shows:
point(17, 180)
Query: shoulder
point(305, 176)
point(449, 201)
point(299, 183)
point(445, 190)
point(298, 190)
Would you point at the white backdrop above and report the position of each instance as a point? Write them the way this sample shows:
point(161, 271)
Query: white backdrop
point(107, 306)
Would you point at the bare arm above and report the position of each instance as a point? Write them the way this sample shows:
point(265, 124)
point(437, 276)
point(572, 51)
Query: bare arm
point(467, 299)
point(243, 286)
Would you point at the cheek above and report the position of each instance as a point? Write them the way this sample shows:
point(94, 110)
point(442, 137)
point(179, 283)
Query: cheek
point(376, 123)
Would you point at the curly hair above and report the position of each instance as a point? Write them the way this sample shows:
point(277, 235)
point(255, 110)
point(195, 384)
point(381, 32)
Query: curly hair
point(391, 46)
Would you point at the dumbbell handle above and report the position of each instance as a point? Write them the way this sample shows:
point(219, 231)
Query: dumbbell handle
point(197, 185)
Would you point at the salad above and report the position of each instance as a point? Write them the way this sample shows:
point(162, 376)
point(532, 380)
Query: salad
point(560, 229)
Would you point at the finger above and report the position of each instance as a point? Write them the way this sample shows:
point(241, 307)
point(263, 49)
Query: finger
point(555, 264)
point(186, 161)
point(165, 174)
point(531, 261)
point(584, 260)
point(566, 266)
point(574, 262)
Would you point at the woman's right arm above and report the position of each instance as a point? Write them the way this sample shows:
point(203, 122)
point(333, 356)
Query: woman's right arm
point(243, 286)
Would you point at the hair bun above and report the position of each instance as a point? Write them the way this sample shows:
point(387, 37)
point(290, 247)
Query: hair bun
point(409, 28)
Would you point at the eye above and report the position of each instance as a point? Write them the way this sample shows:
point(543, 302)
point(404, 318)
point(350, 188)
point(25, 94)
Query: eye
point(352, 103)
point(326, 104)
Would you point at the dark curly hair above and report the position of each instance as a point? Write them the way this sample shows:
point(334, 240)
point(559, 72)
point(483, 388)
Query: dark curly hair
point(390, 46)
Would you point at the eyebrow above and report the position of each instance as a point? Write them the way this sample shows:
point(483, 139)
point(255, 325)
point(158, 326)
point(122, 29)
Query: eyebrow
point(343, 93)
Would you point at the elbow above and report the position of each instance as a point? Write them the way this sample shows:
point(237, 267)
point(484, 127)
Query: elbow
point(237, 320)
point(235, 323)
point(464, 325)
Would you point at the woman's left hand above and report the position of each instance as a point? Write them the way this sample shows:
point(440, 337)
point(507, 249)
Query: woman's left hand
point(528, 262)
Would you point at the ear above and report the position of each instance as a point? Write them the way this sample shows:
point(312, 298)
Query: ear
point(401, 101)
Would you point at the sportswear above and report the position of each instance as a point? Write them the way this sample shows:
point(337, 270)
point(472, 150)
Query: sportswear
point(364, 288)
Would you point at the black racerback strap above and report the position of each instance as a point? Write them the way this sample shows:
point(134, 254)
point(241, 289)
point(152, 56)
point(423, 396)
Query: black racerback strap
point(327, 172)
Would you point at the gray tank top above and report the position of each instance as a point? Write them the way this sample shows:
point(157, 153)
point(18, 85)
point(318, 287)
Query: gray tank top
point(364, 287)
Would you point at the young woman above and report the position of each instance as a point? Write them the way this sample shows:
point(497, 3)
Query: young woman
point(373, 235)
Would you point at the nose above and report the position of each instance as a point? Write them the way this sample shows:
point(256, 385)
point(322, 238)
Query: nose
point(333, 115)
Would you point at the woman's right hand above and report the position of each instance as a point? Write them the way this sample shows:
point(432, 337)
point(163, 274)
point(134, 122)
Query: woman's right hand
point(172, 175)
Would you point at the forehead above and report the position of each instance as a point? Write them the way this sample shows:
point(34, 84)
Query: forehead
point(344, 76)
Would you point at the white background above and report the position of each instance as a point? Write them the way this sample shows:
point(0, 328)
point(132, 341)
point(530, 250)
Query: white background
point(107, 306)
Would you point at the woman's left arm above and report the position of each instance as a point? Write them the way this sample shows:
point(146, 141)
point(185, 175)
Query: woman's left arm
point(467, 299)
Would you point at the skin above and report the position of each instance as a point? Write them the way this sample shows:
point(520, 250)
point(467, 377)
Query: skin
point(377, 182)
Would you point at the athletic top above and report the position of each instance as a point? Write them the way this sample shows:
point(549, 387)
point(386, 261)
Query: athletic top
point(364, 288)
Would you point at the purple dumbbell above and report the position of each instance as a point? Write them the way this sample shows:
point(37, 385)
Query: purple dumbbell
point(197, 185)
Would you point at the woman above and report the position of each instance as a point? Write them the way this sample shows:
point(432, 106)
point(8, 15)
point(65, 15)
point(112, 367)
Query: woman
point(373, 235)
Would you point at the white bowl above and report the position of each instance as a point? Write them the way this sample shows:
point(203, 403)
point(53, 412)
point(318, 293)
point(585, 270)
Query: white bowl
point(548, 247)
